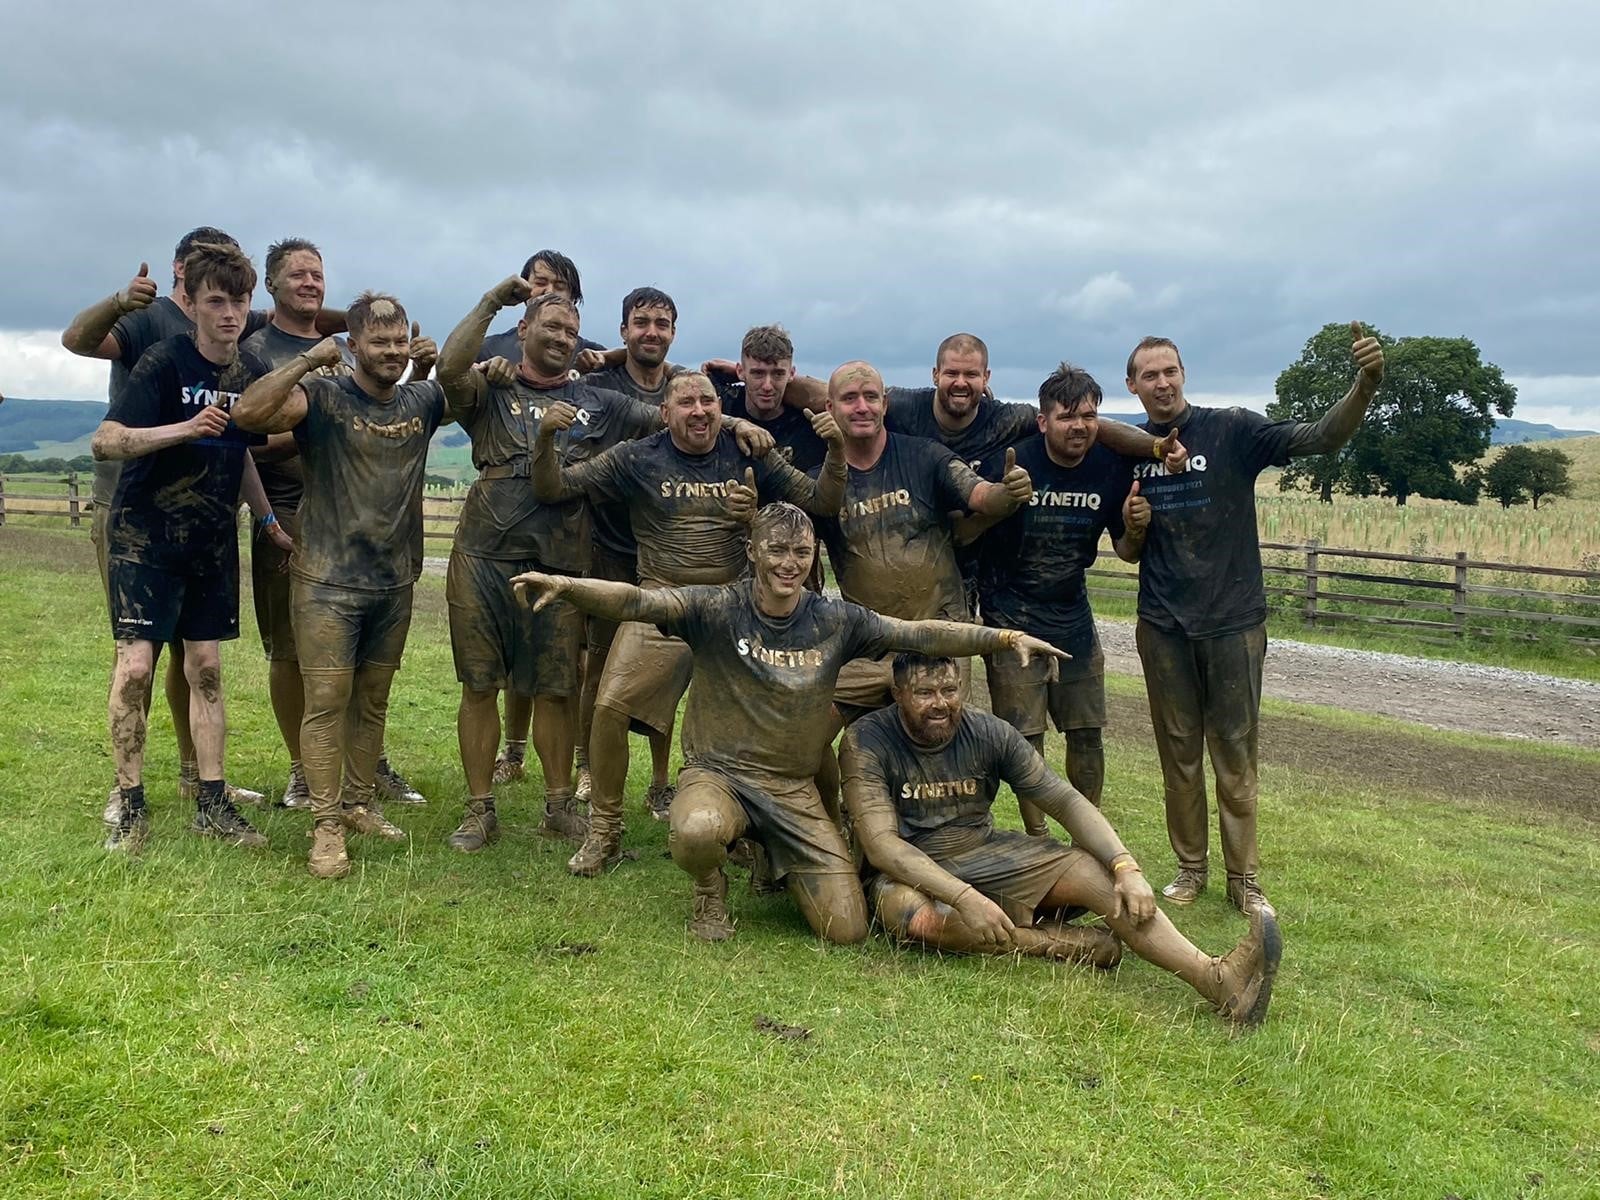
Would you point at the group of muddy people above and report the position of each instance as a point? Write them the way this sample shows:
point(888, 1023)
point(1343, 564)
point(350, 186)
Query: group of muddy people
point(637, 530)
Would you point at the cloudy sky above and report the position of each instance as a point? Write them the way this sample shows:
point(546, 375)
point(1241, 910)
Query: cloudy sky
point(1060, 178)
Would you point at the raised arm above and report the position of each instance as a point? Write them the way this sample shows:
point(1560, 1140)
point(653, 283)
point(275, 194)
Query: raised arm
point(90, 334)
point(822, 496)
point(1132, 442)
point(459, 380)
point(276, 402)
point(600, 597)
point(1339, 424)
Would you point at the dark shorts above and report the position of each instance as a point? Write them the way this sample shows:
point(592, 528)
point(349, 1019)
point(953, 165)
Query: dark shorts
point(1025, 698)
point(500, 643)
point(339, 628)
point(153, 604)
point(269, 587)
point(786, 815)
point(1012, 869)
point(618, 568)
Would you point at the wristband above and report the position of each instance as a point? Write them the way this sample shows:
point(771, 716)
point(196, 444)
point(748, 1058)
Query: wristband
point(270, 519)
point(1126, 864)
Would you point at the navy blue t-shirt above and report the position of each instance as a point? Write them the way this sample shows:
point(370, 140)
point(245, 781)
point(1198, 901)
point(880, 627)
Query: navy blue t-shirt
point(797, 443)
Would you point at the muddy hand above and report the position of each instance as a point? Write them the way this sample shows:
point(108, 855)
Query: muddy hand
point(1131, 895)
point(753, 440)
point(1135, 511)
point(1368, 354)
point(210, 421)
point(424, 351)
point(497, 371)
point(1029, 647)
point(282, 541)
point(140, 292)
point(742, 498)
point(1173, 453)
point(324, 354)
point(512, 290)
point(719, 366)
point(826, 428)
point(589, 360)
point(986, 919)
point(535, 589)
point(1018, 486)
point(557, 417)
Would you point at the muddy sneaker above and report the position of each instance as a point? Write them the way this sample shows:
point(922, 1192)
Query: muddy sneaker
point(599, 851)
point(1186, 888)
point(1246, 895)
point(479, 827)
point(708, 919)
point(394, 785)
point(189, 792)
point(127, 824)
point(509, 770)
point(221, 820)
point(585, 785)
point(752, 855)
point(297, 794)
point(1242, 981)
point(659, 800)
point(112, 813)
point(368, 819)
point(329, 859)
point(563, 818)
point(1091, 945)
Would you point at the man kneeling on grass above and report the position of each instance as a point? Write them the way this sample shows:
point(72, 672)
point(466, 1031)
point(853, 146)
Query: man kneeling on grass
point(919, 780)
point(767, 654)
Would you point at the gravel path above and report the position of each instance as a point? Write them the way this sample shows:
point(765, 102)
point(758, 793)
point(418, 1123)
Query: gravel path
point(1465, 697)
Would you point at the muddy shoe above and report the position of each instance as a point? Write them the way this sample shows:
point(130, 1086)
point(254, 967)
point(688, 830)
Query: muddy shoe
point(599, 851)
point(297, 794)
point(394, 786)
point(585, 785)
point(509, 770)
point(1242, 981)
point(1245, 894)
point(222, 821)
point(362, 818)
point(329, 859)
point(563, 818)
point(1186, 888)
point(708, 918)
point(1091, 945)
point(659, 800)
point(479, 827)
point(127, 825)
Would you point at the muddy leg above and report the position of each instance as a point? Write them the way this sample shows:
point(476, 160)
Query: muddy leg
point(478, 735)
point(322, 736)
point(202, 665)
point(552, 740)
point(288, 694)
point(178, 701)
point(833, 905)
point(126, 709)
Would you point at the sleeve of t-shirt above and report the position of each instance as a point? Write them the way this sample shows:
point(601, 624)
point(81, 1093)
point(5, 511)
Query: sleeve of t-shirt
point(606, 477)
point(954, 479)
point(319, 390)
point(688, 607)
point(904, 406)
point(138, 405)
point(1266, 442)
point(778, 480)
point(867, 635)
point(135, 333)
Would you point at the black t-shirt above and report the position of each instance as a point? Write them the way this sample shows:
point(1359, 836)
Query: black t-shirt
point(508, 345)
point(892, 546)
point(982, 444)
point(267, 350)
point(613, 531)
point(176, 508)
point(798, 444)
point(136, 332)
point(1032, 563)
point(1200, 574)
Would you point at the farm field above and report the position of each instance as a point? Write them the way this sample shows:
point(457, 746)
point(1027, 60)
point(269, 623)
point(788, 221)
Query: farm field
point(207, 1023)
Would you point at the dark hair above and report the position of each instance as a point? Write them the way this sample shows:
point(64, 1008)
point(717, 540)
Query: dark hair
point(535, 303)
point(1153, 343)
point(962, 343)
point(222, 265)
point(648, 297)
point(373, 308)
point(208, 234)
point(1069, 387)
point(279, 251)
point(767, 343)
point(563, 266)
point(907, 662)
point(781, 517)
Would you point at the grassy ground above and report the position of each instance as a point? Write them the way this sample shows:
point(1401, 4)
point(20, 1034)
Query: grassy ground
point(211, 1023)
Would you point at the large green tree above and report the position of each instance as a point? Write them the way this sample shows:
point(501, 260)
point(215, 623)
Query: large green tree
point(1433, 415)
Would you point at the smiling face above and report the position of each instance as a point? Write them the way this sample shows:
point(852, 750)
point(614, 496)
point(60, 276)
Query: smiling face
point(382, 351)
point(959, 382)
point(1157, 379)
point(647, 334)
point(549, 338)
point(692, 412)
point(781, 560)
point(297, 287)
point(930, 703)
point(1069, 430)
point(856, 400)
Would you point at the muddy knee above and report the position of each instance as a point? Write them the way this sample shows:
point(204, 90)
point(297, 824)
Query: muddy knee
point(699, 835)
point(833, 906)
point(906, 914)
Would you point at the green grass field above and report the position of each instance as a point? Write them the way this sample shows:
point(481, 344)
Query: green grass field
point(207, 1022)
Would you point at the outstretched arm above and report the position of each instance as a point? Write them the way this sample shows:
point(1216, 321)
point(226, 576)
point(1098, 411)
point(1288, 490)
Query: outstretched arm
point(601, 597)
point(115, 442)
point(959, 639)
point(1339, 424)
point(90, 335)
point(276, 402)
point(1133, 442)
point(459, 380)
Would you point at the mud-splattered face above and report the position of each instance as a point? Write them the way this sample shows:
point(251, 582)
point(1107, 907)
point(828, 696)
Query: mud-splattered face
point(648, 334)
point(1068, 435)
point(550, 338)
point(298, 286)
point(382, 351)
point(765, 384)
point(544, 280)
point(218, 317)
point(781, 560)
point(959, 382)
point(1157, 380)
point(930, 704)
point(693, 414)
point(856, 400)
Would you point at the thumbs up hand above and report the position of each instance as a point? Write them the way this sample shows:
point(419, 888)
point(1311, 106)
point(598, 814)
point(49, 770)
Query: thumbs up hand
point(742, 498)
point(140, 292)
point(1016, 482)
point(1368, 354)
point(1136, 512)
point(424, 353)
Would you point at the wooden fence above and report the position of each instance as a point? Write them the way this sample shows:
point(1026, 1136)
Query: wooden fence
point(1432, 599)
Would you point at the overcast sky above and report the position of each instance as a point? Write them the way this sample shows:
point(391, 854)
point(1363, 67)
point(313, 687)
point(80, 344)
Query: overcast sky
point(1060, 178)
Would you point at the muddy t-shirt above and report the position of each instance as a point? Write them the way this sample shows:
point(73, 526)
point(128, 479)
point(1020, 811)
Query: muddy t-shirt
point(612, 529)
point(267, 350)
point(797, 442)
point(365, 459)
point(136, 332)
point(176, 508)
point(508, 345)
point(502, 519)
point(982, 444)
point(891, 545)
point(942, 797)
point(762, 694)
point(679, 504)
point(1032, 563)
point(1200, 574)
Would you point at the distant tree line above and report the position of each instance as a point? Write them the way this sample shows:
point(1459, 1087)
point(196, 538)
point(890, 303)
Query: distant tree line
point(16, 464)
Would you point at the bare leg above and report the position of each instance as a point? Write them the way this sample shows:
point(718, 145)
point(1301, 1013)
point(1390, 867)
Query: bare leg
point(178, 702)
point(552, 740)
point(202, 665)
point(478, 735)
point(1032, 819)
point(912, 916)
point(288, 693)
point(127, 708)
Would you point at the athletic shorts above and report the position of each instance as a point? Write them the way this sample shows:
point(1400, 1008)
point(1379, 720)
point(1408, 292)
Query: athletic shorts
point(154, 604)
point(269, 587)
point(646, 674)
point(1014, 870)
point(618, 568)
point(865, 685)
point(786, 815)
point(338, 628)
point(498, 642)
point(1024, 697)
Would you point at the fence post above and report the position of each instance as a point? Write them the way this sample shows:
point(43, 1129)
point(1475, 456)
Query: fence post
point(1459, 605)
point(2, 499)
point(72, 498)
point(1311, 581)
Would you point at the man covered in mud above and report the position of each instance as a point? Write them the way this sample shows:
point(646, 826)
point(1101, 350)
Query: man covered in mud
point(1031, 576)
point(363, 439)
point(545, 271)
point(766, 655)
point(504, 530)
point(919, 782)
point(172, 545)
point(691, 491)
point(1202, 631)
point(754, 388)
